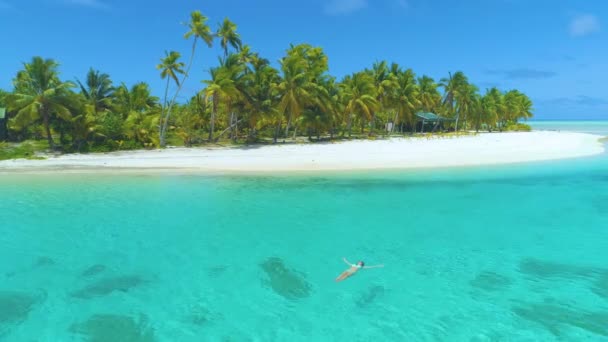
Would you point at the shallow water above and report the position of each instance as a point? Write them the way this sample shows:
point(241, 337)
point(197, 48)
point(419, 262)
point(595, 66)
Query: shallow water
point(509, 253)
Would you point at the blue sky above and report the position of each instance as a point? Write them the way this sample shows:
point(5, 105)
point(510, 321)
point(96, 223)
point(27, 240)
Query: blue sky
point(554, 50)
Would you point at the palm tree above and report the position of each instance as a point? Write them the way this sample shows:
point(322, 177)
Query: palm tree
point(219, 88)
point(335, 105)
point(517, 106)
point(525, 107)
point(385, 82)
point(454, 86)
point(228, 36)
point(40, 95)
point(98, 90)
point(466, 101)
point(294, 88)
point(191, 117)
point(304, 70)
point(492, 107)
point(429, 95)
point(258, 91)
point(140, 112)
point(406, 98)
point(171, 69)
point(137, 99)
point(360, 97)
point(198, 29)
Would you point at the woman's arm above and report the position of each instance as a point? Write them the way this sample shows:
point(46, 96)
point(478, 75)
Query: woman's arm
point(347, 262)
point(377, 266)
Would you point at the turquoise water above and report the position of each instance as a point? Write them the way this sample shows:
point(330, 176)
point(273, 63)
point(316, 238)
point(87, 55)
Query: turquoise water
point(511, 253)
point(594, 127)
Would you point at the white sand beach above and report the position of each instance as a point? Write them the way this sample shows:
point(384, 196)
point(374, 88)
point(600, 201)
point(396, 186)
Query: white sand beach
point(396, 153)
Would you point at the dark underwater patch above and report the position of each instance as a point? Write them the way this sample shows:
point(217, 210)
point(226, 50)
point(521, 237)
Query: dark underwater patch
point(370, 296)
point(600, 287)
point(15, 306)
point(285, 282)
point(555, 318)
point(106, 286)
point(93, 271)
point(115, 328)
point(44, 261)
point(545, 269)
point(490, 281)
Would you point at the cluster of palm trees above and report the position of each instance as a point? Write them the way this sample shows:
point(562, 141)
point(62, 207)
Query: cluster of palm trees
point(245, 98)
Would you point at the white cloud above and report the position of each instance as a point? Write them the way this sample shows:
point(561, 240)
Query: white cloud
point(583, 25)
point(344, 6)
point(98, 4)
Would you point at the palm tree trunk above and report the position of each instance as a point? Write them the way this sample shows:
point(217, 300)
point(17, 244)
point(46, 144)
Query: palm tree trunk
point(236, 127)
point(394, 122)
point(276, 132)
point(163, 129)
point(47, 128)
point(212, 123)
point(350, 124)
point(372, 125)
point(228, 129)
point(162, 116)
point(287, 127)
point(232, 126)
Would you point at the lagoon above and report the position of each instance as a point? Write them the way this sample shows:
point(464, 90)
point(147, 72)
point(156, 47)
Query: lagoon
point(515, 253)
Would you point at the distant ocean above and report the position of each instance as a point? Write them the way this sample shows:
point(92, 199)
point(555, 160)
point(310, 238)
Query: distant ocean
point(595, 127)
point(501, 253)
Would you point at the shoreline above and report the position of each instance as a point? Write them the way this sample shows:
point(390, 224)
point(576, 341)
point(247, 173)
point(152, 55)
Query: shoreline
point(359, 155)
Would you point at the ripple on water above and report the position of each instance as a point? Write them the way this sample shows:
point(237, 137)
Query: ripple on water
point(106, 286)
point(15, 307)
point(115, 328)
point(290, 284)
point(555, 318)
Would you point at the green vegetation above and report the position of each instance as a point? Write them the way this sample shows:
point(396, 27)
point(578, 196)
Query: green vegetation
point(24, 150)
point(518, 127)
point(244, 99)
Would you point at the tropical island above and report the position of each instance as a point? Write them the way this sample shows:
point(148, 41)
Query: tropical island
point(387, 113)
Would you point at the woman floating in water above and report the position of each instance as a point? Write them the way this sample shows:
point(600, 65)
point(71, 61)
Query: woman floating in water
point(354, 268)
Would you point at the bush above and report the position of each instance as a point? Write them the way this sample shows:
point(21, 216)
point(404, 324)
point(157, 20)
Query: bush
point(518, 127)
point(26, 150)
